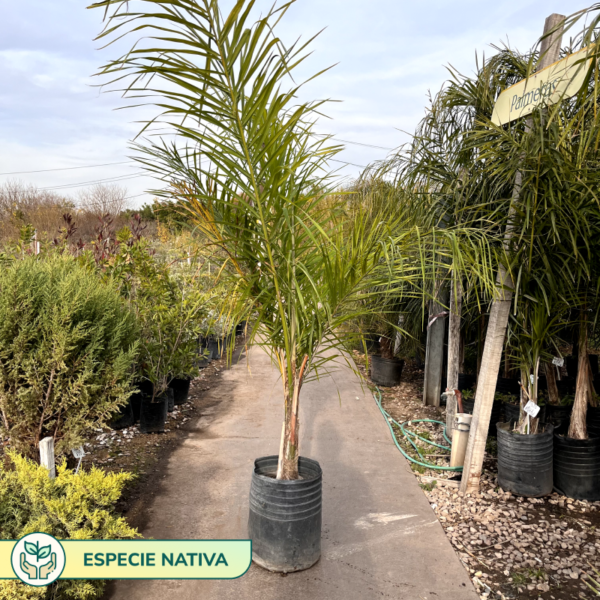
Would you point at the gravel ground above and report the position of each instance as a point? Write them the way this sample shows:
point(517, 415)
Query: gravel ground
point(512, 547)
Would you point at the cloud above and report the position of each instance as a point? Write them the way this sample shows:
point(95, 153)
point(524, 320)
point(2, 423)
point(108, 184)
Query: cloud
point(391, 53)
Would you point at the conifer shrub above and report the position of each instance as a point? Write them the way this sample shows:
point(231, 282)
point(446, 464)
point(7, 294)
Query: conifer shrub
point(67, 346)
point(71, 506)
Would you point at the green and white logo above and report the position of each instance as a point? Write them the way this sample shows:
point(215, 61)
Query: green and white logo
point(38, 559)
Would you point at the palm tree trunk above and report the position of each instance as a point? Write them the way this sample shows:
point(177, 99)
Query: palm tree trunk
point(577, 427)
point(289, 451)
point(553, 397)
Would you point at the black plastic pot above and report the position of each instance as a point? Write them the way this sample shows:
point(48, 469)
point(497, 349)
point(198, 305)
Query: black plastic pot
point(385, 371)
point(593, 358)
point(525, 461)
point(511, 412)
point(285, 516)
point(218, 348)
point(466, 381)
point(593, 420)
point(566, 385)
point(557, 415)
point(181, 389)
point(240, 328)
point(213, 349)
point(135, 401)
point(577, 466)
point(505, 385)
point(371, 343)
point(153, 415)
point(495, 417)
point(123, 419)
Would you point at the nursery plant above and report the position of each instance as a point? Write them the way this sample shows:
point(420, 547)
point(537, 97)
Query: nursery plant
point(247, 162)
point(254, 177)
point(67, 345)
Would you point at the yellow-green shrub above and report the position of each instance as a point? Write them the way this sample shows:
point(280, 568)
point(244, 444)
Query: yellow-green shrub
point(71, 506)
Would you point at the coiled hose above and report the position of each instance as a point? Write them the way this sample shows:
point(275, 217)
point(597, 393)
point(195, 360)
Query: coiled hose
point(409, 435)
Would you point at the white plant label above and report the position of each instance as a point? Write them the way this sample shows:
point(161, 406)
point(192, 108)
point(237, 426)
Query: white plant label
point(532, 409)
point(532, 378)
point(78, 452)
point(559, 362)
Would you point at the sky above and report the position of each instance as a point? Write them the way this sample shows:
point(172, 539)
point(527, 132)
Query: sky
point(388, 56)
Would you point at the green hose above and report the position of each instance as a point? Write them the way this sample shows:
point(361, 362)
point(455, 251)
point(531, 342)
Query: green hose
point(410, 434)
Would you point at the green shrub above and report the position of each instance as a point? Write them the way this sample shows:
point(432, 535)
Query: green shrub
point(71, 506)
point(67, 345)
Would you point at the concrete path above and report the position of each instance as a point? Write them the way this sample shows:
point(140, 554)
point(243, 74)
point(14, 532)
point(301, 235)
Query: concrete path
point(380, 537)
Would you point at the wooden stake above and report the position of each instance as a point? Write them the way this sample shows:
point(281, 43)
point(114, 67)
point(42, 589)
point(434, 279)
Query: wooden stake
point(434, 354)
point(47, 455)
point(498, 321)
point(453, 351)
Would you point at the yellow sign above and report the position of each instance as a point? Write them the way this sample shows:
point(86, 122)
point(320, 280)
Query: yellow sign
point(122, 559)
point(561, 79)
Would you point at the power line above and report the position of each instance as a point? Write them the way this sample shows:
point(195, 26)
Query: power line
point(354, 143)
point(69, 168)
point(84, 183)
point(349, 163)
point(126, 162)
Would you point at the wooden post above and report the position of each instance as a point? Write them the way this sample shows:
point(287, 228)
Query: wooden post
point(47, 455)
point(498, 321)
point(453, 350)
point(434, 353)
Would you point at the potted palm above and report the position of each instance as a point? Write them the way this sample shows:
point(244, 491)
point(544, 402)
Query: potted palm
point(577, 450)
point(525, 449)
point(386, 368)
point(252, 174)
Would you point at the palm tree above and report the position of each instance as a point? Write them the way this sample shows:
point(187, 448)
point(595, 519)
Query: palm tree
point(244, 160)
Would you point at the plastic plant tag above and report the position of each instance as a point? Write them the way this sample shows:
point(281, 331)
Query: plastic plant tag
point(78, 452)
point(532, 378)
point(559, 362)
point(532, 409)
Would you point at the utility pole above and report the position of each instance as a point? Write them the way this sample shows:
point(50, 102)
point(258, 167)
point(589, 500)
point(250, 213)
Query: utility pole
point(498, 321)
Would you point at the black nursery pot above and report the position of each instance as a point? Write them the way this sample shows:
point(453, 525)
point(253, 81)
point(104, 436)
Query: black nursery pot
point(593, 420)
point(123, 419)
point(213, 349)
point(557, 415)
point(525, 461)
point(285, 516)
point(385, 371)
point(466, 381)
point(145, 389)
point(512, 412)
point(153, 415)
point(506, 385)
point(181, 389)
point(577, 466)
